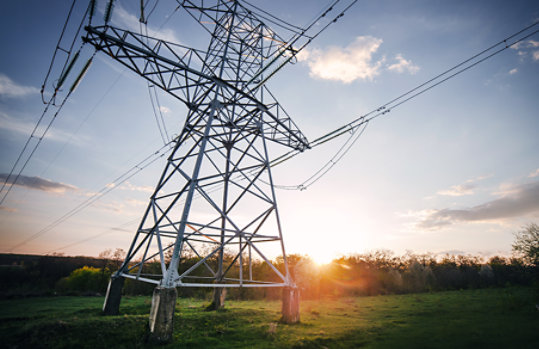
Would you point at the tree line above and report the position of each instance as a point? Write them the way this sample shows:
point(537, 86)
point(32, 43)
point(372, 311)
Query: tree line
point(375, 273)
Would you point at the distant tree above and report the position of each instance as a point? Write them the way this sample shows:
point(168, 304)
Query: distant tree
point(526, 244)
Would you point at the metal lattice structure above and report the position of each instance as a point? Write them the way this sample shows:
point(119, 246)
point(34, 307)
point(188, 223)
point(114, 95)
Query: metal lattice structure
point(215, 197)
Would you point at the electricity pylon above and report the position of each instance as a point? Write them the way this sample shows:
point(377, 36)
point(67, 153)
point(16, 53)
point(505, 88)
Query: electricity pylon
point(215, 199)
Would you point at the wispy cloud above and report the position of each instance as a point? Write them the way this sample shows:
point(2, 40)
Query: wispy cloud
point(534, 174)
point(520, 201)
point(38, 183)
point(14, 125)
point(9, 88)
point(467, 188)
point(164, 109)
point(8, 209)
point(123, 207)
point(513, 71)
point(141, 188)
point(459, 190)
point(353, 62)
point(130, 21)
point(25, 128)
point(403, 65)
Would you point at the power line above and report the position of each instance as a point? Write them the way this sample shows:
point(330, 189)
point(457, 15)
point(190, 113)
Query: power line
point(96, 196)
point(64, 72)
point(57, 49)
point(78, 242)
point(65, 68)
point(64, 146)
point(343, 150)
point(363, 120)
point(274, 19)
point(161, 126)
point(32, 152)
point(356, 127)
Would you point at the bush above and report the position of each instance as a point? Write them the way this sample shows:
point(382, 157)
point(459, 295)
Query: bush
point(85, 280)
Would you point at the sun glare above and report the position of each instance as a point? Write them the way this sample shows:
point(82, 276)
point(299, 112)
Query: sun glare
point(321, 258)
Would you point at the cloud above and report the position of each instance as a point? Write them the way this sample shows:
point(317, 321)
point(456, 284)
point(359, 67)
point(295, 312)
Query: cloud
point(131, 22)
point(459, 190)
point(10, 89)
point(534, 174)
point(11, 124)
point(141, 188)
point(353, 62)
point(403, 65)
point(525, 47)
point(8, 209)
point(133, 202)
point(164, 109)
point(38, 183)
point(462, 189)
point(25, 128)
point(521, 201)
point(513, 71)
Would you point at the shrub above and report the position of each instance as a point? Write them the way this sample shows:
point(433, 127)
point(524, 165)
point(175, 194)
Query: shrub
point(85, 280)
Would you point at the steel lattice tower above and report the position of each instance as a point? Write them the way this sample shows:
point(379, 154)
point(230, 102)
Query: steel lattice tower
point(215, 195)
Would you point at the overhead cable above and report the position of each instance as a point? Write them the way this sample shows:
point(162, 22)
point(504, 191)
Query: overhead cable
point(78, 242)
point(384, 109)
point(102, 192)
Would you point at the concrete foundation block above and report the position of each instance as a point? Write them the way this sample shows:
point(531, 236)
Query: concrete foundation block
point(219, 296)
point(113, 296)
point(162, 314)
point(290, 305)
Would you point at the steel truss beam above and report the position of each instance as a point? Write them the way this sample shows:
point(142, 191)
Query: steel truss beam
point(211, 202)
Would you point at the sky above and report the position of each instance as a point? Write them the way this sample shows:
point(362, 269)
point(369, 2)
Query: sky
point(455, 170)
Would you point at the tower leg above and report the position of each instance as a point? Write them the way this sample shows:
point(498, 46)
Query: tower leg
point(219, 296)
point(113, 296)
point(290, 306)
point(162, 313)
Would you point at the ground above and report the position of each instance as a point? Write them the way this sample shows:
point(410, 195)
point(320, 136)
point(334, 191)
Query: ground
point(486, 318)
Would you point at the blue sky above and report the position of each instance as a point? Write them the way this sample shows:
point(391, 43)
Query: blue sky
point(454, 170)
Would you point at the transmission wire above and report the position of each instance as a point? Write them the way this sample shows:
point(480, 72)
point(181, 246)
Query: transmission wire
point(352, 127)
point(57, 49)
point(78, 242)
point(48, 104)
point(40, 139)
point(387, 107)
point(102, 192)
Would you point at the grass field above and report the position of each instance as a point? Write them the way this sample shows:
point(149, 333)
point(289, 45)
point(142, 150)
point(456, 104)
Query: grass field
point(487, 318)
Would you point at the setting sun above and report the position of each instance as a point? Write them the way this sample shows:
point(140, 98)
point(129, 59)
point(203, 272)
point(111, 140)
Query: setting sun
point(322, 257)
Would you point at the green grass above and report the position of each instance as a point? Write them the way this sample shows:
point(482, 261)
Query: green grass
point(488, 318)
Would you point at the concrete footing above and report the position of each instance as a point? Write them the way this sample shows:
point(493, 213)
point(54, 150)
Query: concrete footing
point(290, 306)
point(162, 314)
point(113, 296)
point(219, 296)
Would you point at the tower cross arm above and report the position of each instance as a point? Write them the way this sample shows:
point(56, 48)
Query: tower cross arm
point(181, 71)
